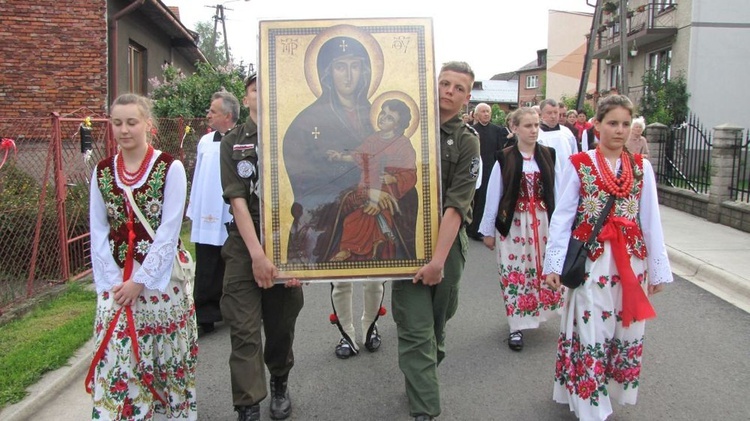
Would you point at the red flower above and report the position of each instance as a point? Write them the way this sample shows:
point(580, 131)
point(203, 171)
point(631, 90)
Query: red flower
point(632, 353)
point(180, 373)
point(586, 388)
point(580, 369)
point(148, 378)
point(105, 295)
point(527, 302)
point(588, 360)
point(119, 386)
point(333, 318)
point(598, 368)
point(515, 277)
point(382, 311)
point(127, 408)
point(154, 299)
point(547, 296)
point(165, 297)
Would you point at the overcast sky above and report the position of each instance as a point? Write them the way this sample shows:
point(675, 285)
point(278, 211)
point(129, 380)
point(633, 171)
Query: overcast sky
point(493, 36)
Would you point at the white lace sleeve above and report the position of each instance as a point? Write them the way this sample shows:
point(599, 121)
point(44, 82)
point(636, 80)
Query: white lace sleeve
point(659, 270)
point(106, 272)
point(561, 223)
point(157, 266)
point(492, 202)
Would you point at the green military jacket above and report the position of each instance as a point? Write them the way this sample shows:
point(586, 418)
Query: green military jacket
point(239, 167)
point(459, 160)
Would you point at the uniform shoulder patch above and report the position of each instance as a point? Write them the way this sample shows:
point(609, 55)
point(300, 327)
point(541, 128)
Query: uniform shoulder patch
point(474, 169)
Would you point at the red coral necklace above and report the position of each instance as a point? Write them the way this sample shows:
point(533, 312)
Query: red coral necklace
point(617, 186)
point(130, 178)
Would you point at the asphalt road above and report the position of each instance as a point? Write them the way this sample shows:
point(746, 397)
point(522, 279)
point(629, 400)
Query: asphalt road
point(696, 362)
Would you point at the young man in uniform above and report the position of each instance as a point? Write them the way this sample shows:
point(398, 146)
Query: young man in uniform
point(423, 305)
point(251, 299)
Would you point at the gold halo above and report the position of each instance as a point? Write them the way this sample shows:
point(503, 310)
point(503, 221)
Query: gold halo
point(377, 104)
point(371, 46)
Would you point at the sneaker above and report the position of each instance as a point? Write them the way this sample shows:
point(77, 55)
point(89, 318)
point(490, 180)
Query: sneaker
point(373, 341)
point(281, 404)
point(344, 349)
point(248, 413)
point(515, 340)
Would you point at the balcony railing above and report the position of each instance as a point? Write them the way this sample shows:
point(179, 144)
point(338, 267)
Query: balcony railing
point(643, 19)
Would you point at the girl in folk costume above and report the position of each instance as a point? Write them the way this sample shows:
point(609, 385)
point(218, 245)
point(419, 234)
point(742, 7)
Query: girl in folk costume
point(520, 200)
point(146, 348)
point(600, 346)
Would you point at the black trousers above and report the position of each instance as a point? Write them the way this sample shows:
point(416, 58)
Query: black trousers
point(209, 279)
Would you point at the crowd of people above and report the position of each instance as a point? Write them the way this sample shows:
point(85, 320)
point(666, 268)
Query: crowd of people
point(545, 178)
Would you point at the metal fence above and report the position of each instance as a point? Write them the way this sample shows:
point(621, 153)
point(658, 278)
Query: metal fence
point(687, 156)
point(740, 187)
point(44, 194)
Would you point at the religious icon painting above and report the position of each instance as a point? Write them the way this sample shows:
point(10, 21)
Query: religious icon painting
point(348, 132)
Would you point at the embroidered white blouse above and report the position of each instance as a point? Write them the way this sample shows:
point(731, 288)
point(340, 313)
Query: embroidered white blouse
point(495, 194)
point(157, 266)
point(566, 206)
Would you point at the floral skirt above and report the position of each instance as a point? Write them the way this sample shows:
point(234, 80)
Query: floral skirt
point(167, 341)
point(520, 257)
point(598, 360)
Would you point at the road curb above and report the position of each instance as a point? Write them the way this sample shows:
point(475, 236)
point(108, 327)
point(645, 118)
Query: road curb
point(726, 285)
point(50, 385)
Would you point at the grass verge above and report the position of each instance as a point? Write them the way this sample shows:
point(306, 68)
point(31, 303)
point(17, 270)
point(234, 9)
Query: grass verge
point(44, 340)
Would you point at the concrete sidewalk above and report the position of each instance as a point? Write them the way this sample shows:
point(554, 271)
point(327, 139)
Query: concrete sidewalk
point(712, 256)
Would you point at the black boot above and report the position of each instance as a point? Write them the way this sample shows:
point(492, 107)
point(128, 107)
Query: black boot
point(248, 413)
point(281, 404)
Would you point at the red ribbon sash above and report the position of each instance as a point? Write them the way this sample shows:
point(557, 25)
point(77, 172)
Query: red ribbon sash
point(130, 328)
point(635, 303)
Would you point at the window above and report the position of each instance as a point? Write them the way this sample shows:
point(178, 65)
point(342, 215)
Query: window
point(662, 5)
point(136, 68)
point(532, 82)
point(529, 104)
point(615, 76)
point(661, 60)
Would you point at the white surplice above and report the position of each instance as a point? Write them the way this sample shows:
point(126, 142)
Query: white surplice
point(207, 208)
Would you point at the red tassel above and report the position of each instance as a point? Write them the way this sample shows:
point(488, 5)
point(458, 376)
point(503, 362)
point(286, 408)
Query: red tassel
point(382, 311)
point(333, 318)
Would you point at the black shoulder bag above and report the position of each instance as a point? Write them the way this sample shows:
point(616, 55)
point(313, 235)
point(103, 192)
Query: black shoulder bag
point(574, 268)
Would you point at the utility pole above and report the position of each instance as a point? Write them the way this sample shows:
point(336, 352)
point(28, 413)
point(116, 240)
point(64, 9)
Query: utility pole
point(624, 46)
point(587, 61)
point(224, 29)
point(219, 16)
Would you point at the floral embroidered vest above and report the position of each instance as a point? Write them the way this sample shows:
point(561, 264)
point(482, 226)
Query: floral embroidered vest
point(593, 198)
point(531, 191)
point(149, 197)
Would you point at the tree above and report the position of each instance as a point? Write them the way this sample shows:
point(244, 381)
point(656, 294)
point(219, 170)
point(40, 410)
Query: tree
point(570, 103)
point(498, 115)
point(177, 95)
point(211, 46)
point(664, 100)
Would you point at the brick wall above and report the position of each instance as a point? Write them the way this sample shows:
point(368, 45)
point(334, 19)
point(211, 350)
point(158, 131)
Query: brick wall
point(53, 57)
point(533, 94)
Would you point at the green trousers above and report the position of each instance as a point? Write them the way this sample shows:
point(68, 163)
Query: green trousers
point(246, 307)
point(420, 313)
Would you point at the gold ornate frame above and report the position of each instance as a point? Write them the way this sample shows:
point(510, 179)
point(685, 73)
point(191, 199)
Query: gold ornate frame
point(402, 67)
